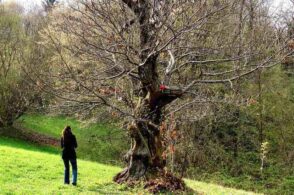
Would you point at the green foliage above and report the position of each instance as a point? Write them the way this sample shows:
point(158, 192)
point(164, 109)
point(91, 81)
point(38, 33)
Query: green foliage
point(225, 147)
point(277, 113)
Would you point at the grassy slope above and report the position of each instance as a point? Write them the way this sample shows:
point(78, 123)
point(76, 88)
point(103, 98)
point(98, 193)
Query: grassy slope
point(27, 169)
point(31, 169)
point(97, 142)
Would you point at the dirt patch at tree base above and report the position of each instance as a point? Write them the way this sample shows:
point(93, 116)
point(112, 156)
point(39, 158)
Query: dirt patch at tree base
point(165, 183)
point(162, 183)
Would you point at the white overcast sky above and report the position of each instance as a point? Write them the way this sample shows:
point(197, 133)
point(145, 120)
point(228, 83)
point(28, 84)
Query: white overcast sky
point(29, 4)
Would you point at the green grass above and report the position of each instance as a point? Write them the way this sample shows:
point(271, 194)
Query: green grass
point(29, 169)
point(102, 143)
point(213, 189)
point(32, 169)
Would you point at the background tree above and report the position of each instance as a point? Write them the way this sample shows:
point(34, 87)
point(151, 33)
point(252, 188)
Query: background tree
point(16, 93)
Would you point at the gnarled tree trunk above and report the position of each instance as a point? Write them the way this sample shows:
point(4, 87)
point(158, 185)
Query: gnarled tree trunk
point(145, 158)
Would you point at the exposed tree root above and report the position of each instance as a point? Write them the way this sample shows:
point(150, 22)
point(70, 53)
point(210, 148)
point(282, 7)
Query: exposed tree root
point(163, 182)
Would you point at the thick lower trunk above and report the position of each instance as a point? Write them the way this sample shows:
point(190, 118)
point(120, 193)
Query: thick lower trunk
point(145, 162)
point(145, 158)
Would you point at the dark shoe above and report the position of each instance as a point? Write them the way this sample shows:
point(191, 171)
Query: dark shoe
point(66, 183)
point(74, 184)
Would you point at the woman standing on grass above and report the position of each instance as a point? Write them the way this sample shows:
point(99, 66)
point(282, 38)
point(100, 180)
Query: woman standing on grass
point(69, 143)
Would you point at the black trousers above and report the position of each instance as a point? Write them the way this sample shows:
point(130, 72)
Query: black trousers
point(74, 166)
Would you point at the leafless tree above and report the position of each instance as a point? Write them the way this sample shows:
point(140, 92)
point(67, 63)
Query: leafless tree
point(147, 60)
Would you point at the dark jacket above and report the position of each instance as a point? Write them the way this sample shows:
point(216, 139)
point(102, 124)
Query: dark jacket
point(69, 146)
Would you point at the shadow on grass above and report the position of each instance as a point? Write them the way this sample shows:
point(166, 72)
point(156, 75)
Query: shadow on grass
point(12, 137)
point(102, 143)
point(108, 188)
point(94, 152)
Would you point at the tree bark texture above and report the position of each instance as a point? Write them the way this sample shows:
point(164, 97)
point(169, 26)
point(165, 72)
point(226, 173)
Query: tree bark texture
point(145, 158)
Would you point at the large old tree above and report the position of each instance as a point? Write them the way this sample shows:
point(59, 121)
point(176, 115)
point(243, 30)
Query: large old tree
point(148, 59)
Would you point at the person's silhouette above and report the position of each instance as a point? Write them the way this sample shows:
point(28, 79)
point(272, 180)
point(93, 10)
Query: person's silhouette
point(69, 143)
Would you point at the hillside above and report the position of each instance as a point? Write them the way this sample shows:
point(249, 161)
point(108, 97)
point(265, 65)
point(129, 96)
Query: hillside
point(101, 143)
point(32, 169)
